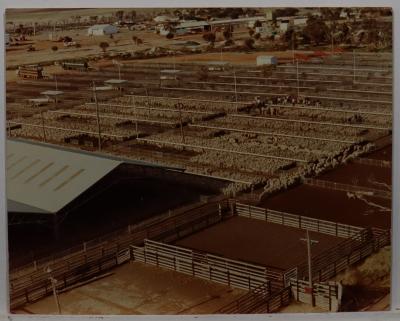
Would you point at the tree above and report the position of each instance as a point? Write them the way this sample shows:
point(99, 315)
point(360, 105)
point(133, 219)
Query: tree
point(257, 36)
point(257, 23)
point(133, 14)
point(104, 45)
point(317, 30)
point(285, 12)
point(227, 34)
point(251, 32)
point(134, 38)
point(120, 15)
point(170, 35)
point(249, 43)
point(54, 48)
point(209, 37)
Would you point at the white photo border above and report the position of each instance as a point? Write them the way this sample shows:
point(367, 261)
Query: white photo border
point(393, 314)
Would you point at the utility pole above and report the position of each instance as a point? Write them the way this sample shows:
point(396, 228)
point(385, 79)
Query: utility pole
point(54, 287)
point(53, 282)
point(43, 129)
point(297, 75)
point(179, 105)
point(136, 117)
point(309, 256)
point(354, 66)
point(97, 115)
point(293, 55)
point(236, 97)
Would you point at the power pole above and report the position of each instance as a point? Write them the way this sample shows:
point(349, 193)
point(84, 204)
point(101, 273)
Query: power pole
point(97, 115)
point(236, 97)
point(179, 105)
point(309, 259)
point(297, 75)
point(43, 129)
point(54, 287)
point(293, 55)
point(136, 119)
point(354, 66)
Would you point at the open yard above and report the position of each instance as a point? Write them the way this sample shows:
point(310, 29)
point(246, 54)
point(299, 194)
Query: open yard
point(258, 242)
point(135, 288)
point(332, 205)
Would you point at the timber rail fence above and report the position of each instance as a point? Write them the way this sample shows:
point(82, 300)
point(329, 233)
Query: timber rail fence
point(33, 283)
point(348, 188)
point(258, 300)
point(298, 221)
point(207, 266)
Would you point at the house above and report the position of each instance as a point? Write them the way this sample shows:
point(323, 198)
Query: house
point(101, 30)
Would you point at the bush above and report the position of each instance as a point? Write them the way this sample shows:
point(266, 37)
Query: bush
point(249, 43)
point(257, 36)
point(170, 35)
point(54, 48)
point(78, 45)
point(209, 37)
point(104, 45)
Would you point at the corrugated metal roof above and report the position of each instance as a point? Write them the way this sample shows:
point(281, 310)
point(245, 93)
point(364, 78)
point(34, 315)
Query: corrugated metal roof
point(43, 179)
point(192, 24)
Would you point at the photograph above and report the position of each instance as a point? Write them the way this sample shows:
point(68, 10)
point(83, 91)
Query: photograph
point(198, 160)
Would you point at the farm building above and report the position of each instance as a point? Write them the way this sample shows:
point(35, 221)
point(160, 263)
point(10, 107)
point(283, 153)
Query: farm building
point(266, 60)
point(245, 22)
point(101, 30)
point(53, 192)
point(164, 18)
point(192, 26)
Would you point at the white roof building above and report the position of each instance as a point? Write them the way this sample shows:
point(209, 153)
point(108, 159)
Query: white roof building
point(165, 19)
point(100, 30)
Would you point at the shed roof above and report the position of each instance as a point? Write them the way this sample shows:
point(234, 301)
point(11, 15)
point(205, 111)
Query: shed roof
point(100, 27)
point(52, 92)
point(115, 81)
point(44, 179)
point(192, 24)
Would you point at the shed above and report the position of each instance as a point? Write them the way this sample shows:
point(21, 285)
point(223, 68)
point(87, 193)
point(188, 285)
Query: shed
point(101, 30)
point(266, 60)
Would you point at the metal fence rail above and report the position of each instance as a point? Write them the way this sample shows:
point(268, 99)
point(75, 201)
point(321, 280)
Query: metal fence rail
point(298, 221)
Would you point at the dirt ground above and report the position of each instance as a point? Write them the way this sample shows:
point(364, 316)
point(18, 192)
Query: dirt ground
point(257, 242)
point(136, 288)
point(382, 154)
point(331, 205)
point(361, 175)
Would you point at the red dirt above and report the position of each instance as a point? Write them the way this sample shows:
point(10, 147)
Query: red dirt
point(382, 154)
point(330, 205)
point(360, 175)
point(257, 242)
